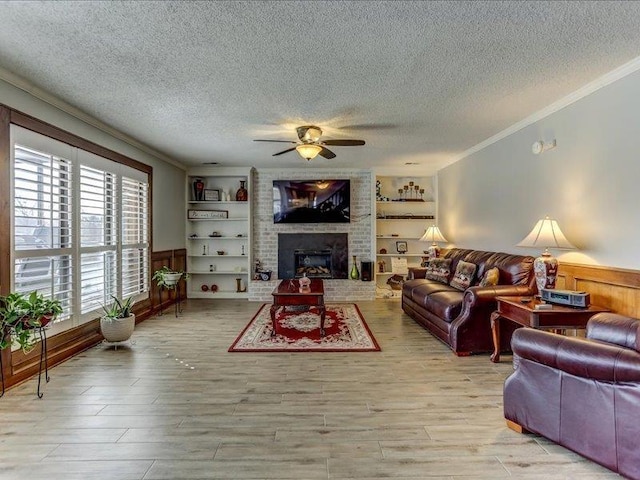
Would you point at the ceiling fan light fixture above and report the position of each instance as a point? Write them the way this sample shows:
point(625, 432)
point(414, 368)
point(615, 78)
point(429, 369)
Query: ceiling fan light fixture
point(308, 151)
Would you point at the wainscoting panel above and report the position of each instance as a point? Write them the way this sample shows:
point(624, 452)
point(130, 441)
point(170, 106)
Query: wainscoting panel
point(615, 288)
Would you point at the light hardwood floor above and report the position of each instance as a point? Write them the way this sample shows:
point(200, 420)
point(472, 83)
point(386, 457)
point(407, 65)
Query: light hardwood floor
point(413, 410)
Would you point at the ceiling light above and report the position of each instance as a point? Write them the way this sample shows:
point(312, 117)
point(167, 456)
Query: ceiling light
point(308, 150)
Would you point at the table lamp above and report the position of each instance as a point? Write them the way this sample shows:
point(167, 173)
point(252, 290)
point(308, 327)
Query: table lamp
point(546, 234)
point(433, 235)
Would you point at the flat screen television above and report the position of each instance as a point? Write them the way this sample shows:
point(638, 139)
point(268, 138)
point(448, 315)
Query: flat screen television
point(311, 201)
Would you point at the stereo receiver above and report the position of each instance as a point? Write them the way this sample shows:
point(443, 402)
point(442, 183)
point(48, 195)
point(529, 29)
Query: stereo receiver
point(570, 298)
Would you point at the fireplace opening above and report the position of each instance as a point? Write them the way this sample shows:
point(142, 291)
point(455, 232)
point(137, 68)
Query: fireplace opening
point(326, 250)
point(313, 263)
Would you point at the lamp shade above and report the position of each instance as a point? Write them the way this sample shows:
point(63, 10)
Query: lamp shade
point(308, 150)
point(546, 234)
point(433, 235)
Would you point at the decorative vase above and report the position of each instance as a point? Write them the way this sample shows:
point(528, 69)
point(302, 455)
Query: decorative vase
point(546, 271)
point(305, 283)
point(242, 194)
point(198, 190)
point(117, 329)
point(354, 274)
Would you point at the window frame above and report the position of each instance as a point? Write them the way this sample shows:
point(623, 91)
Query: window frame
point(139, 170)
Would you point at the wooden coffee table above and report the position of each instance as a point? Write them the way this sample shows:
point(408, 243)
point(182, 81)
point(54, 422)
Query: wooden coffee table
point(522, 310)
point(288, 294)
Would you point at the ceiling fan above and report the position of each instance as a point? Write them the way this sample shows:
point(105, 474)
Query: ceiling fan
point(310, 145)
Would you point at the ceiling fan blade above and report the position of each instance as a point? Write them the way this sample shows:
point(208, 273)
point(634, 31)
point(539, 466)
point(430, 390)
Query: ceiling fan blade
point(343, 143)
point(286, 151)
point(275, 141)
point(326, 153)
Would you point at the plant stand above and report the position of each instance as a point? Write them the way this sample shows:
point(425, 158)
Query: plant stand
point(2, 375)
point(43, 359)
point(177, 304)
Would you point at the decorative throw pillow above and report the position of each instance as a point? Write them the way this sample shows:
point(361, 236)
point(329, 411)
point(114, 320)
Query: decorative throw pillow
point(395, 282)
point(490, 278)
point(438, 269)
point(463, 277)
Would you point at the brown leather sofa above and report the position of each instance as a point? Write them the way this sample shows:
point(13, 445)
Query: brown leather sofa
point(461, 318)
point(581, 393)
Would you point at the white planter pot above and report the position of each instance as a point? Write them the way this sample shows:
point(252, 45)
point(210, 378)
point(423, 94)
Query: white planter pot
point(117, 329)
point(171, 279)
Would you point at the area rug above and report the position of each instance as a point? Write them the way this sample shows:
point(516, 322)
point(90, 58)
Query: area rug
point(299, 331)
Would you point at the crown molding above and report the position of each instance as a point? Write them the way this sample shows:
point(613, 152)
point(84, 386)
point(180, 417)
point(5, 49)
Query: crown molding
point(591, 87)
point(28, 87)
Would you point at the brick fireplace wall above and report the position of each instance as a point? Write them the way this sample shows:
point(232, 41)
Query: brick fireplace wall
point(359, 230)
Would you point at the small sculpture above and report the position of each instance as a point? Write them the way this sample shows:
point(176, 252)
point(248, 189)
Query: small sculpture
point(305, 283)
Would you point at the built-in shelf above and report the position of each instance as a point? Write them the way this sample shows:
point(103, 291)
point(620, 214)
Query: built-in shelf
point(217, 238)
point(399, 220)
point(218, 294)
point(219, 219)
point(230, 266)
point(217, 256)
point(219, 272)
point(396, 237)
point(217, 202)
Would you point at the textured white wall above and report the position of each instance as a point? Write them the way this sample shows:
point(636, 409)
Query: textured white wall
point(589, 183)
point(168, 180)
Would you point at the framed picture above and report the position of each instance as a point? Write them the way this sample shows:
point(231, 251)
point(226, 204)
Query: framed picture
point(207, 214)
point(401, 247)
point(212, 195)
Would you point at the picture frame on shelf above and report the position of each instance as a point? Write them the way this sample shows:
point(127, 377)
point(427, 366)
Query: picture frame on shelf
point(212, 195)
point(401, 246)
point(207, 214)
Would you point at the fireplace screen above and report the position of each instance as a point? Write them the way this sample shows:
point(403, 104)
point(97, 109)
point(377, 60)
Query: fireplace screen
point(313, 263)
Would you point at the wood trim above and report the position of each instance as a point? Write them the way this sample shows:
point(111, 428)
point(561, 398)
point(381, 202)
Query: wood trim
point(5, 220)
point(617, 289)
point(44, 128)
point(5, 199)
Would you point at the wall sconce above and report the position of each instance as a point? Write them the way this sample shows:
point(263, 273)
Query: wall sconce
point(541, 146)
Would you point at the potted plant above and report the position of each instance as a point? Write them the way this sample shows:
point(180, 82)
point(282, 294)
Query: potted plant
point(20, 316)
point(167, 278)
point(42, 310)
point(118, 322)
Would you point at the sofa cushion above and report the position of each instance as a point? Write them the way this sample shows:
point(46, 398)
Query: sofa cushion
point(438, 269)
point(446, 304)
point(418, 290)
point(490, 278)
point(465, 272)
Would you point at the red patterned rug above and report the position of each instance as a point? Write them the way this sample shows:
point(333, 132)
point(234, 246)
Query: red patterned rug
point(299, 331)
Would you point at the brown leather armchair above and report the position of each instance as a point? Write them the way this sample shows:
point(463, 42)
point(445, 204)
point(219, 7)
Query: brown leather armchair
point(583, 394)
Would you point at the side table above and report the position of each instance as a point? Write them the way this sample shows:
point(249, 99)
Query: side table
point(522, 310)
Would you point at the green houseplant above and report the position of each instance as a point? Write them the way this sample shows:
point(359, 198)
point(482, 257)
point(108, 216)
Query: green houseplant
point(20, 316)
point(168, 278)
point(118, 321)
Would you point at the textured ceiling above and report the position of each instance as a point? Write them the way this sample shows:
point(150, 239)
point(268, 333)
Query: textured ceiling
point(419, 81)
